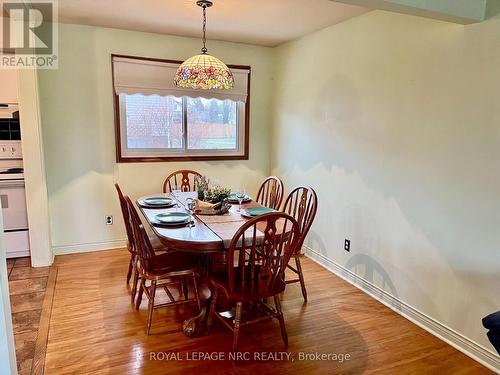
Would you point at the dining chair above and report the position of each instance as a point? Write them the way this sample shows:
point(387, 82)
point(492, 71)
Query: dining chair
point(162, 271)
point(256, 262)
point(157, 245)
point(301, 204)
point(271, 193)
point(183, 178)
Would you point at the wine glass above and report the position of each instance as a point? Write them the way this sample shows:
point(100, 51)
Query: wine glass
point(176, 189)
point(191, 206)
point(240, 195)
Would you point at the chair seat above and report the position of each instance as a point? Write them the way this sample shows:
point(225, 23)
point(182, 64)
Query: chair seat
point(220, 280)
point(170, 263)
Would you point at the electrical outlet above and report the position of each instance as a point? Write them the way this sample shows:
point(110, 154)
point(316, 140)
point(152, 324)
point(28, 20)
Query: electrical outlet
point(347, 245)
point(109, 219)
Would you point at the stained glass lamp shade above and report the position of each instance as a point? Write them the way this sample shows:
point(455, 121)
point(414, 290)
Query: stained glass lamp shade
point(205, 72)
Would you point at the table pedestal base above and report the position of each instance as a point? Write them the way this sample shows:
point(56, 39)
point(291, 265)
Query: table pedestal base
point(197, 325)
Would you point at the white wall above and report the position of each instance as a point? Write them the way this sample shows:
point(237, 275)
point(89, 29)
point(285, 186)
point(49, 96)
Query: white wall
point(78, 131)
point(395, 121)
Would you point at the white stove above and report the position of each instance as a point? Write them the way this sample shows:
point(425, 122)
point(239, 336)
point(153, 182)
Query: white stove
point(13, 200)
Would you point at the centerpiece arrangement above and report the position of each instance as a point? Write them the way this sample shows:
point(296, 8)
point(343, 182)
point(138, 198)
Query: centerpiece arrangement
point(212, 198)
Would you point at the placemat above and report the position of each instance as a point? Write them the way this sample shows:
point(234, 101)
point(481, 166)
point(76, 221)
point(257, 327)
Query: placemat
point(227, 230)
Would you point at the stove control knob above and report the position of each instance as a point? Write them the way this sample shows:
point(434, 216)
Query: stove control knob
point(12, 149)
point(3, 149)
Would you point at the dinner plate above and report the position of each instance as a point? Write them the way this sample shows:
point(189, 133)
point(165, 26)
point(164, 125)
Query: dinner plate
point(172, 218)
point(157, 202)
point(233, 199)
point(256, 211)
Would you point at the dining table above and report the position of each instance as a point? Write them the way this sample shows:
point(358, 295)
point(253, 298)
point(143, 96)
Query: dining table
point(209, 237)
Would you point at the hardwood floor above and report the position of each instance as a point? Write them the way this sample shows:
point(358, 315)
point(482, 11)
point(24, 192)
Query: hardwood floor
point(95, 330)
point(27, 287)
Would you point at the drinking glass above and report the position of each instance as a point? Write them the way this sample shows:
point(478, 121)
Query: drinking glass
point(240, 195)
point(191, 206)
point(176, 189)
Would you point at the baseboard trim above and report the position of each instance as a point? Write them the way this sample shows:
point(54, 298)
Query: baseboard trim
point(88, 247)
point(455, 339)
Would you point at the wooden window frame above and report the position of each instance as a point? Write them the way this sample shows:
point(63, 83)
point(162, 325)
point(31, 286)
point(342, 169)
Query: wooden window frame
point(148, 159)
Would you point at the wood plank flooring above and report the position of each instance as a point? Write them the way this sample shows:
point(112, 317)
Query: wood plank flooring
point(95, 330)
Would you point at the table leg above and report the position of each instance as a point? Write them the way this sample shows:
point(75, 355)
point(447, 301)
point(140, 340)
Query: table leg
point(197, 325)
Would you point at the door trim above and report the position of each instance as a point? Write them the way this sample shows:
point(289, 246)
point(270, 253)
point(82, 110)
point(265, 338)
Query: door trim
point(34, 168)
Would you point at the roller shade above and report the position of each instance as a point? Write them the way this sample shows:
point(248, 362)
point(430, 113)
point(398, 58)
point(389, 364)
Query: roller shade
point(138, 76)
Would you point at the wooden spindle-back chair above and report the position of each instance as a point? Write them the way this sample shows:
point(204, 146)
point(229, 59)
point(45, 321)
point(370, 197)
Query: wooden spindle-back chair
point(184, 179)
point(130, 242)
point(257, 258)
point(271, 193)
point(155, 242)
point(164, 270)
point(301, 204)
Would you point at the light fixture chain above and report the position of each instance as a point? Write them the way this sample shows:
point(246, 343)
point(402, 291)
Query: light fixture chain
point(204, 49)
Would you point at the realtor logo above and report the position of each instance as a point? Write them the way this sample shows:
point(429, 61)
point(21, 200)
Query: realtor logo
point(29, 34)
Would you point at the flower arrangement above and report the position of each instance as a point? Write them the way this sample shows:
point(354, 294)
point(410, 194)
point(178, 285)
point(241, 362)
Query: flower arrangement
point(211, 193)
point(216, 194)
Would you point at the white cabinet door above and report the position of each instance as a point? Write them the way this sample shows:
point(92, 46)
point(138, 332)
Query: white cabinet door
point(13, 202)
point(8, 86)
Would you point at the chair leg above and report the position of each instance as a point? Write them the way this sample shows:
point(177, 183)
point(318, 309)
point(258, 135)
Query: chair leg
point(280, 318)
point(196, 295)
point(301, 277)
point(135, 281)
point(130, 267)
point(237, 321)
point(185, 289)
point(211, 313)
point(139, 294)
point(151, 305)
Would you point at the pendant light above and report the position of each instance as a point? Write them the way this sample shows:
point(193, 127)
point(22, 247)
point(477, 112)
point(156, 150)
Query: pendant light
point(204, 71)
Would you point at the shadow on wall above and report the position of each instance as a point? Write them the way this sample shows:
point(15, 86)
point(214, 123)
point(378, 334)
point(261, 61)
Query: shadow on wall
point(428, 156)
point(430, 173)
point(361, 265)
point(372, 271)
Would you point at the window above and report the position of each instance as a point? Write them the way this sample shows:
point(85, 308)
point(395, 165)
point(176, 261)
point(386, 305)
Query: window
point(156, 121)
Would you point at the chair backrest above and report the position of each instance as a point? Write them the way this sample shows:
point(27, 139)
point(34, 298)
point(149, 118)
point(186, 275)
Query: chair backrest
point(126, 219)
point(302, 204)
point(271, 192)
point(142, 244)
point(185, 179)
point(264, 245)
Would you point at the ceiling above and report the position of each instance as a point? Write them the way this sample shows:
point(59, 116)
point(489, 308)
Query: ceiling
point(260, 22)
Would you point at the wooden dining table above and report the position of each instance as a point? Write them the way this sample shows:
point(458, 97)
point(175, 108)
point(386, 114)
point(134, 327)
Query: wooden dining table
point(210, 233)
point(209, 237)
